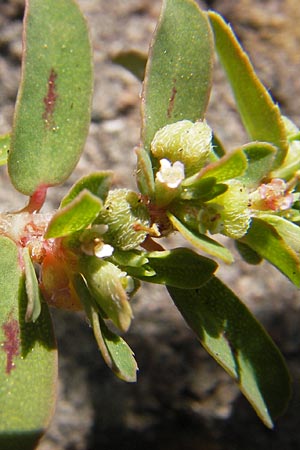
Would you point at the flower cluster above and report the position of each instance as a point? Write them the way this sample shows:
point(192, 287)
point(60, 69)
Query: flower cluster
point(201, 193)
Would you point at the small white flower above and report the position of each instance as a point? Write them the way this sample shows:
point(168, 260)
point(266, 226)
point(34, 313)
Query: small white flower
point(171, 175)
point(103, 250)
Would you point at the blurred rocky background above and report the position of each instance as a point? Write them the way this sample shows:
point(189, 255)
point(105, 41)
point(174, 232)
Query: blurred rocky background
point(183, 400)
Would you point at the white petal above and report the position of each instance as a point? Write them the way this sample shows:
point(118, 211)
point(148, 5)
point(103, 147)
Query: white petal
point(103, 250)
point(171, 175)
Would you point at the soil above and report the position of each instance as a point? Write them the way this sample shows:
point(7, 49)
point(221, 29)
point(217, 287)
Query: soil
point(182, 400)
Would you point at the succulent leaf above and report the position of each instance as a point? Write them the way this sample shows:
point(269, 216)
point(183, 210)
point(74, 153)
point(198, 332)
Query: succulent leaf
point(53, 106)
point(260, 115)
point(233, 337)
point(28, 359)
point(179, 69)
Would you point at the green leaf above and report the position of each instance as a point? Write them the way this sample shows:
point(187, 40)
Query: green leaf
point(291, 163)
point(287, 171)
point(180, 267)
point(131, 258)
point(233, 337)
point(32, 289)
point(53, 105)
point(179, 69)
point(28, 359)
point(201, 241)
point(4, 148)
point(115, 352)
point(201, 190)
point(97, 183)
point(132, 60)
point(202, 184)
point(247, 253)
point(144, 173)
point(218, 147)
point(265, 240)
point(230, 166)
point(260, 156)
point(123, 363)
point(76, 216)
point(260, 115)
point(289, 232)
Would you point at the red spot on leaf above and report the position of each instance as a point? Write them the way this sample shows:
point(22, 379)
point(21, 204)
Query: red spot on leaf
point(50, 99)
point(12, 342)
point(172, 99)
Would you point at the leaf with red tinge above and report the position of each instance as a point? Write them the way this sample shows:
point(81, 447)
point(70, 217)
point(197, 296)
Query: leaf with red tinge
point(179, 69)
point(28, 359)
point(53, 106)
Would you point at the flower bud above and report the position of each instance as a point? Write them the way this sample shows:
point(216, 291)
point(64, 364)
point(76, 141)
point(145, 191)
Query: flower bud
point(184, 141)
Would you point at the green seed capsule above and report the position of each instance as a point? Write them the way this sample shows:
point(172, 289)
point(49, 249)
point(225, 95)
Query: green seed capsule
point(184, 141)
point(232, 211)
point(127, 219)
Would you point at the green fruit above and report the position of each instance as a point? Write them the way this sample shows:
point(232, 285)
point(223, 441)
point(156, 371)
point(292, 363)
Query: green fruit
point(184, 141)
point(127, 219)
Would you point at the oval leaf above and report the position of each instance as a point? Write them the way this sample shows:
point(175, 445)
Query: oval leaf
point(121, 356)
point(28, 359)
point(229, 332)
point(180, 267)
point(179, 69)
point(260, 115)
point(97, 183)
point(53, 105)
point(265, 240)
point(76, 216)
point(230, 166)
point(260, 156)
